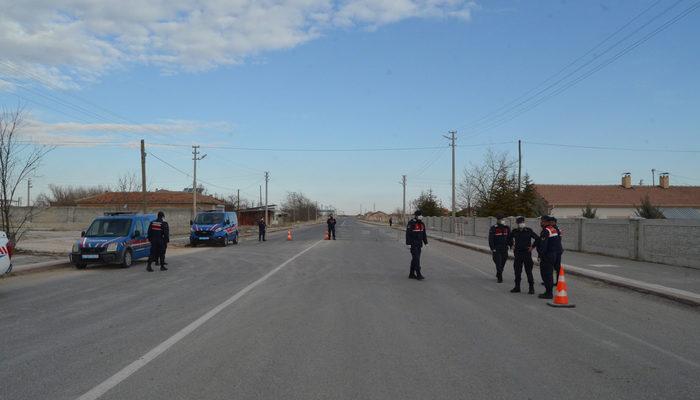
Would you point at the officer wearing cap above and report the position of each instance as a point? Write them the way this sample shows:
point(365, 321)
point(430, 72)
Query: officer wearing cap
point(522, 240)
point(416, 237)
point(549, 251)
point(498, 242)
point(156, 236)
point(331, 226)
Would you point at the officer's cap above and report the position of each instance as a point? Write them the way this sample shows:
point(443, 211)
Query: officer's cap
point(544, 218)
point(500, 216)
point(161, 214)
point(418, 212)
point(519, 220)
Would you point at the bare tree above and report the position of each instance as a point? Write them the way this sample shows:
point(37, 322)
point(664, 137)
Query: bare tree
point(69, 195)
point(480, 181)
point(129, 182)
point(19, 159)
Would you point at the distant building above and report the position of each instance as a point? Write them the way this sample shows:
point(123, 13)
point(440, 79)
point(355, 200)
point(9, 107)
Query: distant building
point(621, 201)
point(251, 215)
point(377, 216)
point(155, 200)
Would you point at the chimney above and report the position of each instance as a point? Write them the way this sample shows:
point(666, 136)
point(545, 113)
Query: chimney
point(663, 180)
point(627, 180)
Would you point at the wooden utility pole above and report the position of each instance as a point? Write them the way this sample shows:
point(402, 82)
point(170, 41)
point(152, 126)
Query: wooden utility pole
point(452, 139)
point(195, 158)
point(267, 179)
point(403, 210)
point(520, 165)
point(144, 200)
point(238, 200)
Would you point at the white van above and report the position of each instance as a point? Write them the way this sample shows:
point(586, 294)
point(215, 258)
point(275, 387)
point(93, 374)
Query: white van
point(6, 248)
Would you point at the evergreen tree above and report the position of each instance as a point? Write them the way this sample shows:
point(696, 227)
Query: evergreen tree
point(588, 212)
point(429, 204)
point(648, 210)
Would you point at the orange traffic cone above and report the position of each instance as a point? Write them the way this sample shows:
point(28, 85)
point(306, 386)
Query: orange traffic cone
point(289, 234)
point(561, 298)
point(326, 237)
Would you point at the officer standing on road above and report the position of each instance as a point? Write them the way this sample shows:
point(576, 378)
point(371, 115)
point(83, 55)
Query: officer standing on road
point(156, 237)
point(416, 237)
point(498, 242)
point(331, 226)
point(521, 241)
point(549, 251)
point(390, 222)
point(166, 240)
point(557, 264)
point(262, 227)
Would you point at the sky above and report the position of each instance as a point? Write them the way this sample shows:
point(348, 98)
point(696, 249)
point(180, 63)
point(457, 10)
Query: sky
point(367, 88)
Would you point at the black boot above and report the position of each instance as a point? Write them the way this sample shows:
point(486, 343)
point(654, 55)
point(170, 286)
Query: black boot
point(499, 277)
point(545, 295)
point(516, 289)
point(420, 277)
point(411, 276)
point(148, 267)
point(531, 290)
point(162, 268)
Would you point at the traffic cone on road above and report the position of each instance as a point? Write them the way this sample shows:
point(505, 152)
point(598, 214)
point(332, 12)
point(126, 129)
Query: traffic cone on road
point(326, 237)
point(289, 234)
point(561, 298)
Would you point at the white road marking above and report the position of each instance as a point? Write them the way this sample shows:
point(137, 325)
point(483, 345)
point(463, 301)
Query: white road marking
point(114, 380)
point(604, 265)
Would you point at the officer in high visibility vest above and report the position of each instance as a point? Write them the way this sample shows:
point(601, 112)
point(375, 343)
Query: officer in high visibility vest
point(416, 237)
point(522, 240)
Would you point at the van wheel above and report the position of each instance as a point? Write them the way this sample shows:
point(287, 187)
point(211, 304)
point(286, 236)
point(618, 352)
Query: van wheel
point(224, 241)
point(128, 259)
point(235, 240)
point(80, 266)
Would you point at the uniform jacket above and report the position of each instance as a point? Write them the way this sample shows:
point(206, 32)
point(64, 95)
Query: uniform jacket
point(498, 237)
point(261, 226)
point(155, 231)
point(416, 234)
point(331, 222)
point(521, 239)
point(550, 242)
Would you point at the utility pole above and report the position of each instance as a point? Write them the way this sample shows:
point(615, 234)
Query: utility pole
point(29, 187)
point(653, 176)
point(260, 194)
point(238, 200)
point(452, 139)
point(267, 179)
point(144, 204)
point(403, 210)
point(520, 165)
point(195, 158)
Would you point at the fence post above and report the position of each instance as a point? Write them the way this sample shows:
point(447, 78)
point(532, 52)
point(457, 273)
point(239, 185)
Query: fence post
point(579, 244)
point(634, 232)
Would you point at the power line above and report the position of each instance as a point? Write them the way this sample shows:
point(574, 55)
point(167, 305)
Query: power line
point(652, 150)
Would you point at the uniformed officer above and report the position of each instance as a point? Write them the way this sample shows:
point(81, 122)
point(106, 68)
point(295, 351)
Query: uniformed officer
point(498, 242)
point(166, 240)
point(416, 237)
point(522, 240)
point(157, 238)
point(549, 251)
point(331, 226)
point(557, 264)
point(262, 227)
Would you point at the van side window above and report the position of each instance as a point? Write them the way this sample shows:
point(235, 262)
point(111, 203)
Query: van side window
point(144, 227)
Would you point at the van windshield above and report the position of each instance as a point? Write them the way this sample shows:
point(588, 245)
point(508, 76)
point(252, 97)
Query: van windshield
point(109, 228)
point(209, 219)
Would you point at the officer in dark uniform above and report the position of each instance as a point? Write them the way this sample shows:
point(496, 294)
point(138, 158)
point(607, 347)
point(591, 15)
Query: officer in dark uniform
point(157, 238)
point(549, 251)
point(522, 240)
point(262, 227)
point(331, 226)
point(557, 264)
point(416, 237)
point(166, 240)
point(498, 242)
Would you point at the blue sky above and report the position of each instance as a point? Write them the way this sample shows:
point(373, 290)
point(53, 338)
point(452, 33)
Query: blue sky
point(347, 75)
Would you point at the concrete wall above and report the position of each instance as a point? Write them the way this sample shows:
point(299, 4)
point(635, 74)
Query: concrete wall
point(78, 219)
point(675, 242)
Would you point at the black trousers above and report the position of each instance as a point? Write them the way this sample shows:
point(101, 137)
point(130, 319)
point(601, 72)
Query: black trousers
point(156, 251)
point(162, 253)
point(415, 260)
point(556, 265)
point(547, 272)
point(523, 258)
point(500, 256)
point(331, 232)
point(261, 235)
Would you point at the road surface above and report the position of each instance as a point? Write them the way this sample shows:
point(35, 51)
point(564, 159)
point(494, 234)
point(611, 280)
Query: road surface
point(314, 319)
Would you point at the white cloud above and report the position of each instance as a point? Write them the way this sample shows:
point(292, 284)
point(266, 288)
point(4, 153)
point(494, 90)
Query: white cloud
point(94, 134)
point(66, 43)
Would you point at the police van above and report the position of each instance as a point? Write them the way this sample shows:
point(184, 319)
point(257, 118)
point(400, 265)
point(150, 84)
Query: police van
point(6, 248)
point(115, 238)
point(216, 226)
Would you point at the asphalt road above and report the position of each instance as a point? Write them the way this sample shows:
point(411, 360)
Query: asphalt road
point(313, 319)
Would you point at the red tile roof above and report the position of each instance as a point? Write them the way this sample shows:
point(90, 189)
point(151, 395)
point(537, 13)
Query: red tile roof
point(618, 196)
point(159, 197)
